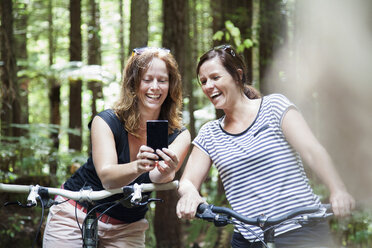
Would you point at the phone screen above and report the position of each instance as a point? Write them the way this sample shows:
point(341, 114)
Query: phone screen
point(157, 134)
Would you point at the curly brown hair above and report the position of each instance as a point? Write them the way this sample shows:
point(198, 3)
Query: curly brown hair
point(126, 108)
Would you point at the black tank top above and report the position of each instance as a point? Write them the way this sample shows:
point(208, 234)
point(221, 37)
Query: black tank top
point(86, 175)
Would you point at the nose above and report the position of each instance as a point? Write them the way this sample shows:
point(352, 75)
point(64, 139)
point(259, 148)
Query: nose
point(155, 84)
point(209, 84)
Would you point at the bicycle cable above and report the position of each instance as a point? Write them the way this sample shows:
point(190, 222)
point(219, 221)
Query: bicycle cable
point(251, 231)
point(96, 220)
point(276, 226)
point(89, 212)
point(41, 221)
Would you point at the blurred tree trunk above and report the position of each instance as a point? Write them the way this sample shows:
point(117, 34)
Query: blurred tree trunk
point(175, 30)
point(54, 99)
point(121, 36)
point(10, 105)
point(219, 18)
point(94, 50)
point(192, 42)
point(20, 26)
point(256, 47)
point(75, 49)
point(10, 112)
point(241, 16)
point(139, 22)
point(272, 35)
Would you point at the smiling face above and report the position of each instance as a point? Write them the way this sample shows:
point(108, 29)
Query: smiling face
point(217, 84)
point(154, 87)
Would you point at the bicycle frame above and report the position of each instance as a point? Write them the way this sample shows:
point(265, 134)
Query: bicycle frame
point(90, 225)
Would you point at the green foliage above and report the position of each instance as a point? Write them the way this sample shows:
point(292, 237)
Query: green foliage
point(354, 231)
point(32, 153)
point(232, 34)
point(17, 224)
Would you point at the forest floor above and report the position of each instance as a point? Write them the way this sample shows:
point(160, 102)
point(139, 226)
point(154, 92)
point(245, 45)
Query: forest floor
point(19, 226)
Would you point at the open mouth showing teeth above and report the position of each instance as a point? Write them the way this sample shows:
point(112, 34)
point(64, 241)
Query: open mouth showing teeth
point(155, 97)
point(215, 95)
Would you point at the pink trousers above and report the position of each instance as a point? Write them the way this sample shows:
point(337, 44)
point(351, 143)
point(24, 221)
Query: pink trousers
point(62, 230)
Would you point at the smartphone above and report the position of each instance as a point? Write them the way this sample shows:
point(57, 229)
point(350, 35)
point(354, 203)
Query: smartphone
point(157, 134)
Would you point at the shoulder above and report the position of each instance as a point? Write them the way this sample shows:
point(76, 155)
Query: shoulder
point(277, 98)
point(210, 128)
point(112, 120)
point(108, 114)
point(211, 124)
point(278, 102)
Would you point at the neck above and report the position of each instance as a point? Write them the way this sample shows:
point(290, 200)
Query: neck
point(241, 115)
point(239, 108)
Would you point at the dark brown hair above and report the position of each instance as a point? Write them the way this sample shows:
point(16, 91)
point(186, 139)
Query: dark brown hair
point(232, 62)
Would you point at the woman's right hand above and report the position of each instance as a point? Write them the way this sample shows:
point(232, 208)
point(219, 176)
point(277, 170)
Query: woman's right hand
point(188, 202)
point(146, 159)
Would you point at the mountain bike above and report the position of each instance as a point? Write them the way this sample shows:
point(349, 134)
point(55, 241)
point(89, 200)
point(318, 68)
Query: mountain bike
point(131, 197)
point(222, 216)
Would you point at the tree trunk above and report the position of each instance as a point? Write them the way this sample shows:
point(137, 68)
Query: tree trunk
point(75, 49)
point(166, 223)
point(54, 99)
point(121, 36)
point(10, 108)
point(9, 93)
point(139, 22)
point(272, 35)
point(94, 51)
point(20, 26)
point(188, 81)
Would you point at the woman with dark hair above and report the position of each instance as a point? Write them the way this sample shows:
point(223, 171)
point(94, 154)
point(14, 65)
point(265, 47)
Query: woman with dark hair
point(258, 147)
point(151, 90)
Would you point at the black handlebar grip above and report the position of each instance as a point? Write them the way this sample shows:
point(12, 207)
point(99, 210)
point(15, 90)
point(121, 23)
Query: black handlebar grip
point(201, 208)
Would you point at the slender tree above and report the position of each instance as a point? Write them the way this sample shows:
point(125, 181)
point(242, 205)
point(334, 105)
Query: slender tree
point(94, 50)
point(75, 49)
point(121, 36)
point(139, 22)
point(20, 27)
point(9, 91)
point(54, 95)
point(190, 75)
point(272, 35)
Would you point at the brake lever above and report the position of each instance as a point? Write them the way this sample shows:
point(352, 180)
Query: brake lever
point(308, 219)
point(217, 219)
point(145, 202)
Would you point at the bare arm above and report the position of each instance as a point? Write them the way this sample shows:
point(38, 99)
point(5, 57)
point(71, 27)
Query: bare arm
point(111, 174)
point(196, 171)
point(313, 153)
point(114, 175)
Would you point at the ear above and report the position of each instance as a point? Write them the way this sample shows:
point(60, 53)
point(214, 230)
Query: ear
point(240, 72)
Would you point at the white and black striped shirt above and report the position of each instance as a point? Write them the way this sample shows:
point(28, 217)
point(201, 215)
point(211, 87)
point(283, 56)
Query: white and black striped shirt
point(260, 171)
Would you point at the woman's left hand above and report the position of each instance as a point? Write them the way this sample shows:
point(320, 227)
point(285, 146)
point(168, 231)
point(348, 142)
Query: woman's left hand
point(169, 163)
point(342, 203)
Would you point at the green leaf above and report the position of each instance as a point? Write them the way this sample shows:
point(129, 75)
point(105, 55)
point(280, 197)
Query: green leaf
point(218, 35)
point(248, 43)
point(227, 36)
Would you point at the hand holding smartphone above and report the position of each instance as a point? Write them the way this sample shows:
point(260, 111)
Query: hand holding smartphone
point(157, 134)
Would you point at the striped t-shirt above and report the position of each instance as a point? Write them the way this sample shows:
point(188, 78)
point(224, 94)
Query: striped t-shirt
point(260, 171)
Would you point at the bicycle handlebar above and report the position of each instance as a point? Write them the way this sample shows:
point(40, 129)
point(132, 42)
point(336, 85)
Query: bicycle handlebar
point(211, 213)
point(88, 194)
